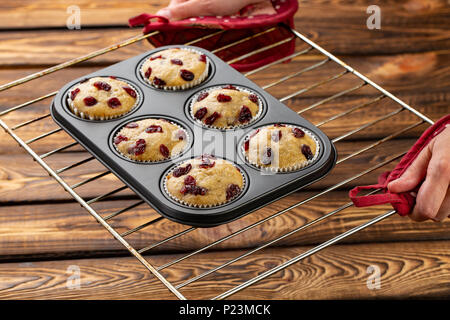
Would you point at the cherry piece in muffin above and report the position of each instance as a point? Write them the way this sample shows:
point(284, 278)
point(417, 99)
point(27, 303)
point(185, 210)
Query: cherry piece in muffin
point(101, 98)
point(280, 147)
point(225, 107)
point(174, 69)
point(150, 140)
point(204, 181)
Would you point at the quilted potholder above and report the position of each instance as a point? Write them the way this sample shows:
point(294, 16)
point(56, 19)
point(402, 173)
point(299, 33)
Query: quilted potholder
point(183, 31)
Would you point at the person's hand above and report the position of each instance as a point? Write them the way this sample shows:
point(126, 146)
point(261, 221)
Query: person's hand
point(433, 164)
point(181, 9)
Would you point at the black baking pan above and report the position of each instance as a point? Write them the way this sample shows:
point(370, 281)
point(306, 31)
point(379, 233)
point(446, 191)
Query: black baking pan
point(146, 179)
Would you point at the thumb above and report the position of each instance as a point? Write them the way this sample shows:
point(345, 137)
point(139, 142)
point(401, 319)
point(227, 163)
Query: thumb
point(414, 174)
point(184, 10)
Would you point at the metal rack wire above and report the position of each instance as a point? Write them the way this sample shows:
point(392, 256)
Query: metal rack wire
point(305, 47)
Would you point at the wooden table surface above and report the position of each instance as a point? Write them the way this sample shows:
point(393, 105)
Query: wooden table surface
point(44, 233)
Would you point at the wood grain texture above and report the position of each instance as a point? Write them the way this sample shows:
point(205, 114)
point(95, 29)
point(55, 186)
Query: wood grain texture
point(434, 109)
point(407, 25)
point(25, 48)
point(65, 230)
point(386, 71)
point(408, 270)
point(47, 13)
point(38, 221)
point(27, 181)
point(402, 74)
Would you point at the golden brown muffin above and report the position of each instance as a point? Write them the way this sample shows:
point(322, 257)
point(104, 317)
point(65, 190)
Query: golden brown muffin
point(204, 182)
point(150, 140)
point(102, 98)
point(226, 107)
point(175, 68)
point(281, 147)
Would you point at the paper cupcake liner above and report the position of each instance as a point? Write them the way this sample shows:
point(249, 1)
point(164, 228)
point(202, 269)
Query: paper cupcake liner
point(284, 169)
point(185, 86)
point(231, 127)
point(188, 140)
point(83, 115)
point(201, 206)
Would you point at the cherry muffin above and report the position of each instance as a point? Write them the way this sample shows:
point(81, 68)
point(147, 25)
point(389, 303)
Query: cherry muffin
point(281, 147)
point(102, 98)
point(150, 140)
point(175, 69)
point(226, 107)
point(205, 181)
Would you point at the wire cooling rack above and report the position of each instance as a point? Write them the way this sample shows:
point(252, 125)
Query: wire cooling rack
point(339, 81)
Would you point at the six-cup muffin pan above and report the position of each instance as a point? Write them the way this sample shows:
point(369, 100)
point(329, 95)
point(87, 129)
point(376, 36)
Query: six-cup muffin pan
point(146, 178)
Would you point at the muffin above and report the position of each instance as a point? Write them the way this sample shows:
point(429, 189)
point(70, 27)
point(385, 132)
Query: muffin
point(281, 147)
point(102, 98)
point(204, 182)
point(175, 68)
point(225, 107)
point(150, 140)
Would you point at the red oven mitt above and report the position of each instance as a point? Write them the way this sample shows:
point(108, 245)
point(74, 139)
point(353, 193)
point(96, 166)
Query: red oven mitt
point(402, 202)
point(183, 31)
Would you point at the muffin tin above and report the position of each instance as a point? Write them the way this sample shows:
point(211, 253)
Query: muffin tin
point(146, 178)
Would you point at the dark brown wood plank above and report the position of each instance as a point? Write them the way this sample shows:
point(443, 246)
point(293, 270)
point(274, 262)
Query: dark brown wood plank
point(408, 270)
point(65, 229)
point(20, 48)
point(44, 230)
point(434, 108)
point(333, 129)
point(406, 80)
point(404, 75)
point(401, 74)
point(406, 26)
point(50, 47)
point(26, 181)
point(44, 13)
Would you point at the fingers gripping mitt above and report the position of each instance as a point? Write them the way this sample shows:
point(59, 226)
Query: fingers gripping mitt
point(403, 202)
